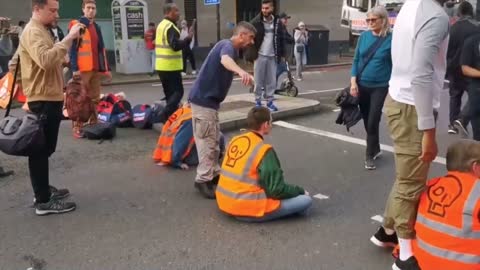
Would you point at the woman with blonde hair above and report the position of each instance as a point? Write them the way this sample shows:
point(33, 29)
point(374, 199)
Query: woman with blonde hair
point(371, 70)
point(301, 39)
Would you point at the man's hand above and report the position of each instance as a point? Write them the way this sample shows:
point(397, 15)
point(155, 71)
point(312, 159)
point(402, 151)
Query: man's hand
point(75, 31)
point(247, 79)
point(429, 146)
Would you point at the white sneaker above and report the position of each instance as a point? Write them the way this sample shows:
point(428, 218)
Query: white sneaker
point(194, 72)
point(184, 74)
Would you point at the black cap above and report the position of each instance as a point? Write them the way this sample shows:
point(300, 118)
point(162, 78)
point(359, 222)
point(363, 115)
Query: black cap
point(284, 15)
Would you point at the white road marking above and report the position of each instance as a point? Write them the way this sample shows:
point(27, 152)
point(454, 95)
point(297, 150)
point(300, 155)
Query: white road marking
point(308, 92)
point(378, 218)
point(340, 137)
point(321, 197)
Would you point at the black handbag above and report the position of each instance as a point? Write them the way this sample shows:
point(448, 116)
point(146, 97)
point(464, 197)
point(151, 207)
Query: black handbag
point(21, 136)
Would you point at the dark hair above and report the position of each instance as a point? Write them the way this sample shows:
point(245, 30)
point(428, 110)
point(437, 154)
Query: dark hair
point(21, 23)
point(257, 116)
point(151, 24)
point(40, 3)
point(85, 2)
point(167, 8)
point(465, 9)
point(462, 154)
point(241, 26)
point(267, 2)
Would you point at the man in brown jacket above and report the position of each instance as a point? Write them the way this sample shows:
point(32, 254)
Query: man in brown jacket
point(41, 71)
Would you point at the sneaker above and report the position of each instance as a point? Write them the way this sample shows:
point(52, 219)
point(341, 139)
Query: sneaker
point(54, 207)
point(370, 164)
point(184, 74)
point(57, 194)
point(410, 264)
point(452, 129)
point(378, 155)
point(194, 72)
point(258, 103)
point(382, 239)
point(272, 106)
point(206, 189)
point(460, 126)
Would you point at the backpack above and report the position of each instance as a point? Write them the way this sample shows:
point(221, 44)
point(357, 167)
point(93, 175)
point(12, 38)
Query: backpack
point(114, 110)
point(100, 131)
point(77, 102)
point(142, 116)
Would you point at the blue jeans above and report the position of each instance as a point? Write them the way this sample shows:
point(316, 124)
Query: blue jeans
point(297, 205)
point(152, 59)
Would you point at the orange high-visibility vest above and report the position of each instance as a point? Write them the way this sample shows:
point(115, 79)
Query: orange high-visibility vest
point(85, 55)
point(238, 192)
point(448, 224)
point(163, 151)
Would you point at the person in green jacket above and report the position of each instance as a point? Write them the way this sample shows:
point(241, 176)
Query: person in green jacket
point(294, 200)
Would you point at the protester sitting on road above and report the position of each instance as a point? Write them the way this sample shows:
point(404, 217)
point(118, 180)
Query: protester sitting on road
point(251, 186)
point(176, 144)
point(371, 70)
point(448, 220)
point(301, 41)
point(209, 90)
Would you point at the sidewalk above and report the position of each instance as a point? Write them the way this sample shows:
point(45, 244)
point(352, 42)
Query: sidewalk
point(119, 79)
point(233, 111)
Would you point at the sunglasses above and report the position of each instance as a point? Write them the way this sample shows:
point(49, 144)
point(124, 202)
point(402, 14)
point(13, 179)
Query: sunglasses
point(372, 20)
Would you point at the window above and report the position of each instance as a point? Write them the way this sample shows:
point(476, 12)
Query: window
point(360, 4)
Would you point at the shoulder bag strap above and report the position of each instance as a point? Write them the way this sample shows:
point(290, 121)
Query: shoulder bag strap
point(369, 55)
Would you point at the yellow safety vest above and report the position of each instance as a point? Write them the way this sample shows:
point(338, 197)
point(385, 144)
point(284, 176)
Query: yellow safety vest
point(166, 58)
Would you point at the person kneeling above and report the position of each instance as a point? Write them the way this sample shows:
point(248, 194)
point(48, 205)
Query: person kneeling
point(176, 145)
point(448, 219)
point(251, 186)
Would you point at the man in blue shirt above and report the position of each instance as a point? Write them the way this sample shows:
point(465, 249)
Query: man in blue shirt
point(209, 90)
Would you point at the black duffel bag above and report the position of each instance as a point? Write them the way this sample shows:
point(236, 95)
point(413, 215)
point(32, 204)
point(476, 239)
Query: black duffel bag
point(21, 136)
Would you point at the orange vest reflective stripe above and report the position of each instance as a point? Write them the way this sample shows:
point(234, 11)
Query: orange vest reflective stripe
point(448, 226)
point(238, 192)
point(85, 55)
point(163, 151)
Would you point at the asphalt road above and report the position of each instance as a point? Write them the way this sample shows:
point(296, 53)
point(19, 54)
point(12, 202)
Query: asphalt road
point(133, 214)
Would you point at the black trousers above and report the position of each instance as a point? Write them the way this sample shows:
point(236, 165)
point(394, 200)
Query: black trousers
point(173, 89)
point(458, 86)
point(474, 98)
point(371, 103)
point(51, 111)
point(188, 55)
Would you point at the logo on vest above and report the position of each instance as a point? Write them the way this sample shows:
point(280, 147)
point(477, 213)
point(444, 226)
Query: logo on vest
point(443, 194)
point(237, 150)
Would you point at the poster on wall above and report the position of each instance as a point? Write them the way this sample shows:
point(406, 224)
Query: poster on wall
point(117, 23)
point(135, 22)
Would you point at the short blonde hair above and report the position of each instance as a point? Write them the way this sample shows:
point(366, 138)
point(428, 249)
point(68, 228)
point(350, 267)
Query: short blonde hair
point(462, 154)
point(382, 13)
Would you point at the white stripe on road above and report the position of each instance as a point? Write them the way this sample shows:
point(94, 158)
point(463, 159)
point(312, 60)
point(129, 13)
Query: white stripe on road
point(340, 137)
point(321, 197)
point(378, 218)
point(308, 92)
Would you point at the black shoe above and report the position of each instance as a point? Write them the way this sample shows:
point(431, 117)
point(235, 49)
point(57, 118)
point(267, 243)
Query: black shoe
point(452, 129)
point(54, 207)
point(410, 264)
point(206, 189)
point(460, 126)
point(370, 164)
point(56, 194)
point(382, 239)
point(4, 173)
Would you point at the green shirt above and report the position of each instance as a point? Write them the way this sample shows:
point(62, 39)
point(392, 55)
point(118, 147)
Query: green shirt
point(272, 181)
